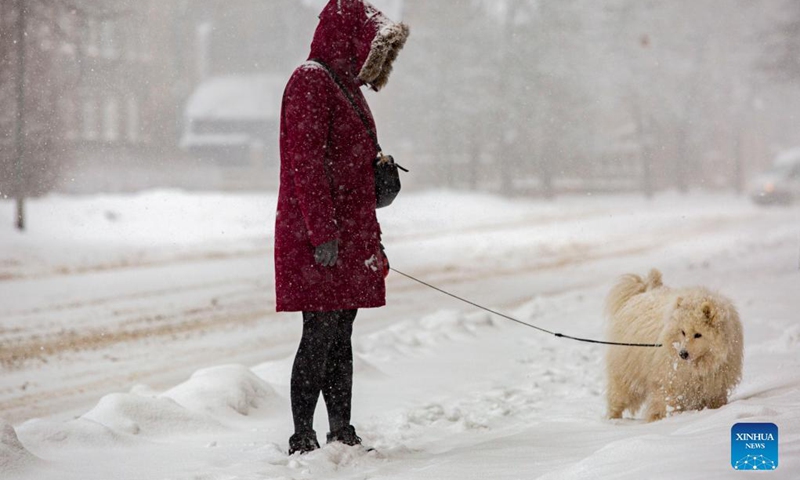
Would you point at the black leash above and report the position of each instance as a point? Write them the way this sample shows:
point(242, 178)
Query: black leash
point(559, 335)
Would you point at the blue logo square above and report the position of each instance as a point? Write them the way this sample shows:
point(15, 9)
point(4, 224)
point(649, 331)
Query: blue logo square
point(754, 446)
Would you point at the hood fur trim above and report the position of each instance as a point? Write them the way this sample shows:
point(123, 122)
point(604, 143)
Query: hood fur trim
point(384, 50)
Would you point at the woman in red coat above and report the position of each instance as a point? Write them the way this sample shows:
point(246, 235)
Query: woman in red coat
point(328, 258)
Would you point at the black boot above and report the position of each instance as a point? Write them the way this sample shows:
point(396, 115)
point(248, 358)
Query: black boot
point(346, 435)
point(303, 442)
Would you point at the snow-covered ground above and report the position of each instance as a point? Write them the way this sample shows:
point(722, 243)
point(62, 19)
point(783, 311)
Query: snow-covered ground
point(138, 339)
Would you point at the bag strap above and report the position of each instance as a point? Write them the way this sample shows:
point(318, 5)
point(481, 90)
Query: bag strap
point(352, 101)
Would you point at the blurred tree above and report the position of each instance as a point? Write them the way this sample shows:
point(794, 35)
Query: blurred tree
point(248, 36)
point(81, 74)
point(444, 87)
point(553, 96)
point(782, 43)
point(687, 86)
point(29, 114)
point(38, 39)
point(544, 112)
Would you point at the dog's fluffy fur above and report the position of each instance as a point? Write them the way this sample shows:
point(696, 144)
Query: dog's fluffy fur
point(699, 362)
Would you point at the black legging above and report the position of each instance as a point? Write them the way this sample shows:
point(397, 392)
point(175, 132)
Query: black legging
point(324, 363)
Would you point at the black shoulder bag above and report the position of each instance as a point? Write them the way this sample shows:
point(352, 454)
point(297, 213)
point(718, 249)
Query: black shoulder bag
point(387, 177)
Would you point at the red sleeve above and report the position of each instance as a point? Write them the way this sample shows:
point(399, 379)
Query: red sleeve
point(307, 120)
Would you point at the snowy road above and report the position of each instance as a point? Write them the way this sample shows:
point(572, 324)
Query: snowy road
point(444, 391)
point(89, 329)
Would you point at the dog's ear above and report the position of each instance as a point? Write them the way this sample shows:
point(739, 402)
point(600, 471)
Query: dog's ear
point(678, 302)
point(709, 311)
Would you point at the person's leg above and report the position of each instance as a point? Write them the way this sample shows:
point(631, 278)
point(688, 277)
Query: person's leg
point(337, 387)
point(308, 374)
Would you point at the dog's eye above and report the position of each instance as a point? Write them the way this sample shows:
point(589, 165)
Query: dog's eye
point(683, 333)
point(697, 335)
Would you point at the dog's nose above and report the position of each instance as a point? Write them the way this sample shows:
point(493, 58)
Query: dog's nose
point(684, 354)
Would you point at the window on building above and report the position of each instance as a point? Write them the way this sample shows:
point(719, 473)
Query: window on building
point(144, 44)
point(133, 120)
point(68, 114)
point(111, 120)
point(68, 29)
point(89, 119)
point(108, 38)
point(131, 47)
point(91, 37)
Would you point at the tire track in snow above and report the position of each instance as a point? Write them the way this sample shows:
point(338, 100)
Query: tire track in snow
point(194, 320)
point(125, 263)
point(139, 295)
point(206, 321)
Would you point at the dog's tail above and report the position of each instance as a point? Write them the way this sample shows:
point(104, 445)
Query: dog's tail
point(628, 287)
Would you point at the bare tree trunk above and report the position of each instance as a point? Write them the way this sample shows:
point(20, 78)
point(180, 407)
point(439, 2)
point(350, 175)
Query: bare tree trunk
point(742, 114)
point(20, 132)
point(645, 156)
point(683, 137)
point(507, 154)
point(738, 167)
point(474, 159)
point(681, 162)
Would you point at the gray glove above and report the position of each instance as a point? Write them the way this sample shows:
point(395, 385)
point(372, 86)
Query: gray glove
point(327, 253)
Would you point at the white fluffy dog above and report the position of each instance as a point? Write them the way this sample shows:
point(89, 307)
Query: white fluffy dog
point(699, 362)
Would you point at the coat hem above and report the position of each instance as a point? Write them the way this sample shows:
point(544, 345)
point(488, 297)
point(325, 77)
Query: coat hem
point(326, 308)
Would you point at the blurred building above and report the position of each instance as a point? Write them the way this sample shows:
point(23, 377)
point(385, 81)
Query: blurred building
point(135, 66)
point(234, 119)
point(530, 98)
point(244, 51)
point(130, 74)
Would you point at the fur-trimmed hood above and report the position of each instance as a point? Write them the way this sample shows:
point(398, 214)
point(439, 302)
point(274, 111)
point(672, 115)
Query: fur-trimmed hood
point(358, 41)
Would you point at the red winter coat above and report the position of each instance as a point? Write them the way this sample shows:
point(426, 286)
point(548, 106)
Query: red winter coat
point(327, 188)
